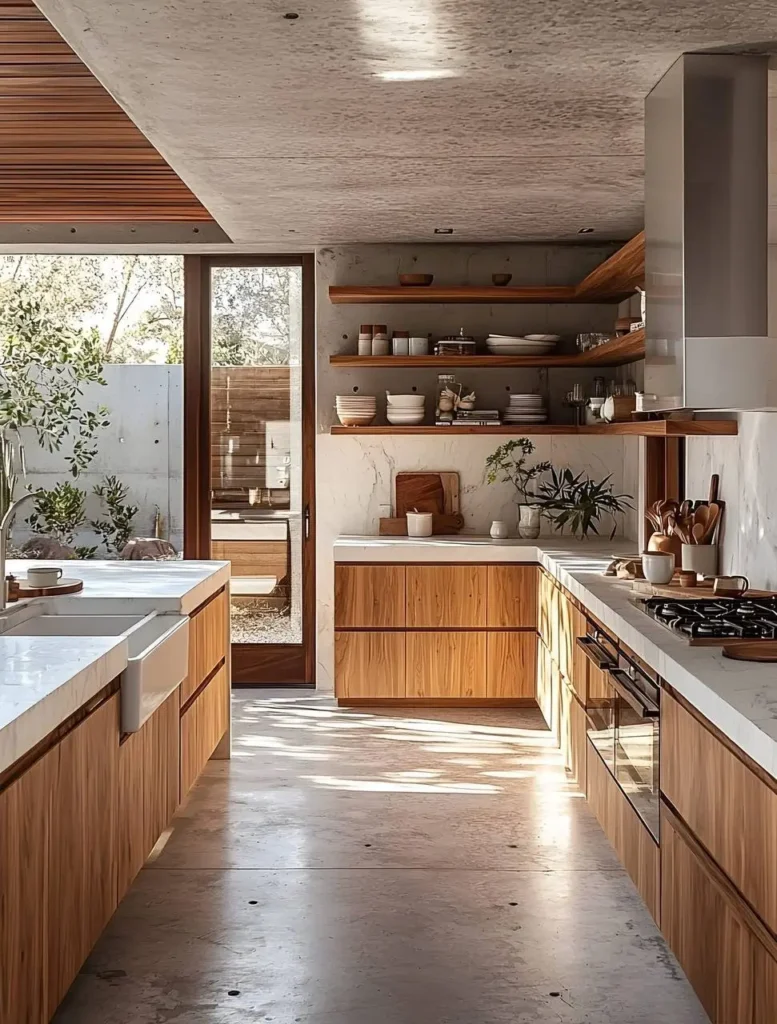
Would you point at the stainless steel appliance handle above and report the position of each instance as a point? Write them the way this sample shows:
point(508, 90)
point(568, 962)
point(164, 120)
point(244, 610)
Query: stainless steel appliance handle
point(595, 652)
point(624, 686)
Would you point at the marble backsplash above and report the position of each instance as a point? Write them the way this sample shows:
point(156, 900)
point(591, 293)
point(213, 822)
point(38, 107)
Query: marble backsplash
point(749, 542)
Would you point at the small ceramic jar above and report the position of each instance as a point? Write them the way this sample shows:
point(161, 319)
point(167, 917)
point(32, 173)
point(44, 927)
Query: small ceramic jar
point(499, 529)
point(658, 566)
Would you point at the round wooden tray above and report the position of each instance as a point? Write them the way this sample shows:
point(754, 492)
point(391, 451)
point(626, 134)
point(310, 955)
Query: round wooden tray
point(65, 586)
point(760, 650)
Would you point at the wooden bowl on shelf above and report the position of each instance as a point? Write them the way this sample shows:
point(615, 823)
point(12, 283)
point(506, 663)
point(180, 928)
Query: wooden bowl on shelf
point(500, 280)
point(416, 280)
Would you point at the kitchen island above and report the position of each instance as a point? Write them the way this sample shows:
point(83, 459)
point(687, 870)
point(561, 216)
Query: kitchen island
point(692, 815)
point(82, 800)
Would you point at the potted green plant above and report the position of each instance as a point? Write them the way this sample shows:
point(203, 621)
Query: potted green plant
point(578, 502)
point(509, 464)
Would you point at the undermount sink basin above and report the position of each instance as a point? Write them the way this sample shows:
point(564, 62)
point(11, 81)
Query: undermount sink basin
point(157, 647)
point(75, 625)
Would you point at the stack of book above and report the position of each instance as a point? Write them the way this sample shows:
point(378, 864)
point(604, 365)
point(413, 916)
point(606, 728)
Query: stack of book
point(473, 418)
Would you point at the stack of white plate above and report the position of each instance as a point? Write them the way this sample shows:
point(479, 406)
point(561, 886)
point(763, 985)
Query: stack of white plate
point(526, 409)
point(405, 410)
point(356, 410)
point(506, 345)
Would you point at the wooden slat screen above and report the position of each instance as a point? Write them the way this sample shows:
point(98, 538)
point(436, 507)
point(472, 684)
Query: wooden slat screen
point(68, 152)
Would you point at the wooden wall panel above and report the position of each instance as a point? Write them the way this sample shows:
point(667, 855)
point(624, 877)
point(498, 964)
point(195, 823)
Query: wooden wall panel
point(253, 557)
point(722, 801)
point(68, 152)
point(512, 595)
point(369, 664)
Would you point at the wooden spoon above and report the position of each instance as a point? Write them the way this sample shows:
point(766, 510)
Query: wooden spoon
point(698, 533)
point(713, 515)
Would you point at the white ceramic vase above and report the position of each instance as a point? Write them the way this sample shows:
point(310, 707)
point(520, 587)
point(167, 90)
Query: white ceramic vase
point(700, 558)
point(529, 521)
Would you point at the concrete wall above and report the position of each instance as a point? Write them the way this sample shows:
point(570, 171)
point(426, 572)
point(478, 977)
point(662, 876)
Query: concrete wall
point(143, 446)
point(355, 475)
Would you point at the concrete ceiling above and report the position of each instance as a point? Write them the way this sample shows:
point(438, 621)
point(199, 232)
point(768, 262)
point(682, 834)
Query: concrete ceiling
point(319, 130)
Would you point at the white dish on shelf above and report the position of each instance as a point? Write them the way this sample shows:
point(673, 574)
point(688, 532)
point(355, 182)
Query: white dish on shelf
point(543, 337)
point(405, 401)
point(526, 419)
point(355, 420)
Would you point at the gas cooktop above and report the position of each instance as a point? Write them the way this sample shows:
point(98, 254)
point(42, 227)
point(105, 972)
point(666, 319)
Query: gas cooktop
point(710, 620)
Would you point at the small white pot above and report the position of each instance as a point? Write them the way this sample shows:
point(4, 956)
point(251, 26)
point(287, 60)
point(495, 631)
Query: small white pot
point(529, 521)
point(658, 566)
point(419, 524)
point(700, 558)
point(499, 530)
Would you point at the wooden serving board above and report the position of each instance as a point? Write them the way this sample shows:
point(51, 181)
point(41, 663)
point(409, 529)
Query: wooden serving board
point(69, 586)
point(758, 650)
point(426, 492)
point(397, 527)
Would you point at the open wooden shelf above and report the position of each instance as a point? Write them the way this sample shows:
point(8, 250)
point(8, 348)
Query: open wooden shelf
point(615, 352)
point(634, 428)
point(614, 280)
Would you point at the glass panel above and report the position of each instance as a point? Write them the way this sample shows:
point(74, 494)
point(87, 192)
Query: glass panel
point(636, 762)
point(256, 447)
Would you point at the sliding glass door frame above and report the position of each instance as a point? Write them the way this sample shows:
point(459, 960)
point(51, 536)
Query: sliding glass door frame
point(253, 664)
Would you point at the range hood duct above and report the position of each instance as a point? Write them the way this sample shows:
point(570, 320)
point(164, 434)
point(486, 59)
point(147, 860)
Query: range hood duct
point(706, 207)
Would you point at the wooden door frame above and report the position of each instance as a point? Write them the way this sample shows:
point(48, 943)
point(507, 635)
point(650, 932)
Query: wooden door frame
point(252, 664)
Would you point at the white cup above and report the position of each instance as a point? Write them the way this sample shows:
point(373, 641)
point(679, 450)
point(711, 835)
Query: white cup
point(44, 576)
point(700, 558)
point(419, 524)
point(499, 530)
point(658, 566)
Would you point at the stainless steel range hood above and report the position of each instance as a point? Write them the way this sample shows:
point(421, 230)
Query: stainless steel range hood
point(706, 204)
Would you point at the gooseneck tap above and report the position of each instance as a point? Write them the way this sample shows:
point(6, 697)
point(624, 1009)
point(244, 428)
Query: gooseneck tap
point(5, 528)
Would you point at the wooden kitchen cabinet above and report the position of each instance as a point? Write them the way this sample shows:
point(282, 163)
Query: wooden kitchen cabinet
point(81, 880)
point(370, 664)
point(148, 785)
point(446, 664)
point(548, 689)
point(512, 596)
point(369, 596)
point(511, 664)
point(573, 731)
point(208, 642)
point(723, 801)
point(446, 596)
point(637, 850)
point(24, 812)
point(203, 723)
point(764, 984)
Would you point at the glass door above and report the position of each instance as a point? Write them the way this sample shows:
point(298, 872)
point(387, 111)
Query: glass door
point(258, 316)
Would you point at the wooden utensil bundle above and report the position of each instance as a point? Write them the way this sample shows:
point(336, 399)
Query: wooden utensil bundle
point(698, 526)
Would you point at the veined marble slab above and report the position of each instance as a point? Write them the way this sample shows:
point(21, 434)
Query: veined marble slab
point(46, 679)
point(740, 698)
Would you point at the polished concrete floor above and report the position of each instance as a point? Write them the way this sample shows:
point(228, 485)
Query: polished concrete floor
point(383, 867)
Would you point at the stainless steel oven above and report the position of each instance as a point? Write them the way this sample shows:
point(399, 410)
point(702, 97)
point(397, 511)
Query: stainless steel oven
point(623, 708)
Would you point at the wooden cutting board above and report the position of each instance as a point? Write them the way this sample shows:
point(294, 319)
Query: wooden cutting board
point(426, 492)
point(440, 524)
point(759, 650)
point(701, 591)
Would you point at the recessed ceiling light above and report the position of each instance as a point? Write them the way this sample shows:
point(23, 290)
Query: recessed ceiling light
point(291, 16)
point(443, 231)
point(415, 75)
point(585, 231)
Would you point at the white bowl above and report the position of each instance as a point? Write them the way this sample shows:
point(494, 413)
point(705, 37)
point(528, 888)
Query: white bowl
point(405, 401)
point(353, 420)
point(543, 337)
point(412, 421)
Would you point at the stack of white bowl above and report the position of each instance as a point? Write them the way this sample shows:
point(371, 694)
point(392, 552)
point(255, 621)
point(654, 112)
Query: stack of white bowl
point(356, 410)
point(513, 345)
point(405, 410)
point(526, 409)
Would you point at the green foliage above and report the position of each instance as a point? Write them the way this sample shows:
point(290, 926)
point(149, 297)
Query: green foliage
point(84, 551)
point(579, 502)
point(116, 528)
point(44, 367)
point(59, 512)
point(508, 465)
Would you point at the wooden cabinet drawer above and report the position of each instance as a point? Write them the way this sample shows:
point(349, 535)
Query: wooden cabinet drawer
point(512, 596)
point(511, 662)
point(548, 683)
point(148, 789)
point(446, 664)
point(636, 848)
point(764, 985)
point(203, 724)
point(446, 596)
point(573, 730)
point(547, 609)
point(725, 804)
point(369, 664)
point(208, 642)
point(369, 596)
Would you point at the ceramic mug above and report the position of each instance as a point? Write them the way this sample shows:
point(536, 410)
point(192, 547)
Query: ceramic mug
point(419, 524)
point(44, 576)
point(730, 586)
point(658, 566)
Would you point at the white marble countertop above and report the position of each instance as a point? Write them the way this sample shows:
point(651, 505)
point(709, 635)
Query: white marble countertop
point(46, 679)
point(740, 698)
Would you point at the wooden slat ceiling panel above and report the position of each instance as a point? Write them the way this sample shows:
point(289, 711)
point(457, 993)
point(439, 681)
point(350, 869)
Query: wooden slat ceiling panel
point(68, 152)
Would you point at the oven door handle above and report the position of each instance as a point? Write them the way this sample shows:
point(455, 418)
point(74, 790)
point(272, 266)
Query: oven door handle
point(595, 653)
point(622, 683)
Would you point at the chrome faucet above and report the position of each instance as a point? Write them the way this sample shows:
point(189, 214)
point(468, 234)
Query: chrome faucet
point(5, 528)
